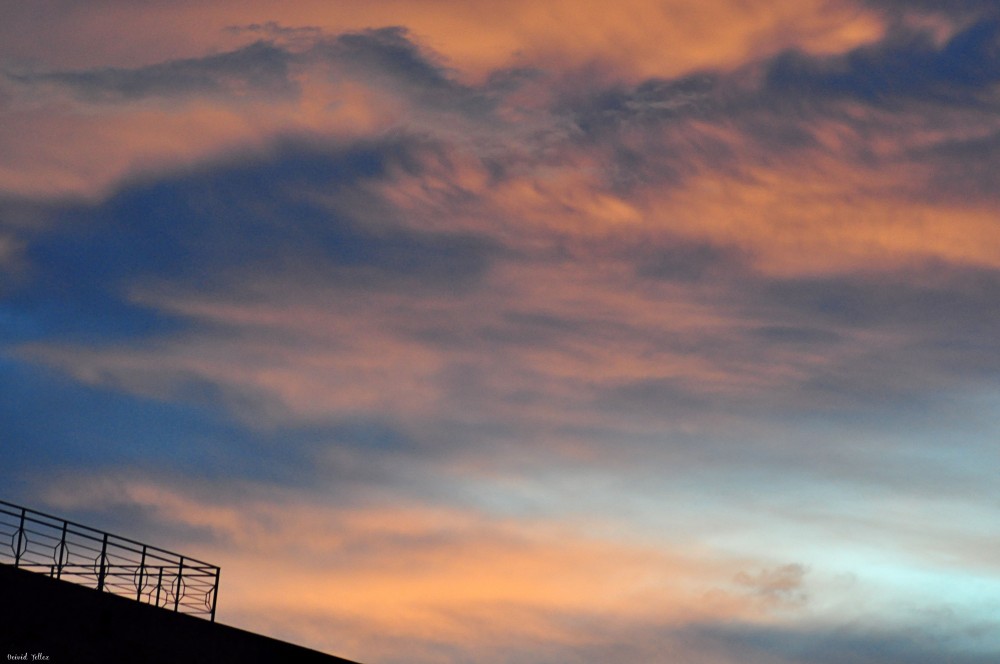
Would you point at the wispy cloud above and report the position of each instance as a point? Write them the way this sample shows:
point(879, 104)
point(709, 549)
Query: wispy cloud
point(546, 332)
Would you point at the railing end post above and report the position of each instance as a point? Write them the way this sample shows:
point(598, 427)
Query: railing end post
point(215, 592)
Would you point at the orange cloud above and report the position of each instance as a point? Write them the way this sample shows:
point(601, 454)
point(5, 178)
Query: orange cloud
point(55, 145)
point(75, 148)
point(859, 200)
point(641, 37)
point(428, 574)
point(821, 216)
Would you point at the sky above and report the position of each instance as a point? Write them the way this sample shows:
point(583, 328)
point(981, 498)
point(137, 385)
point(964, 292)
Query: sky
point(517, 331)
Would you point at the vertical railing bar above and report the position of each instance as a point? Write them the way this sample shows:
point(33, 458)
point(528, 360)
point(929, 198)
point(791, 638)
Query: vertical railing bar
point(62, 550)
point(159, 585)
point(20, 536)
point(180, 583)
point(104, 563)
point(142, 571)
point(215, 592)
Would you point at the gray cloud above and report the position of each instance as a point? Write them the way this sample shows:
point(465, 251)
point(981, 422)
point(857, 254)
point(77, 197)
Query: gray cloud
point(964, 170)
point(781, 585)
point(904, 66)
point(258, 69)
point(850, 643)
point(948, 7)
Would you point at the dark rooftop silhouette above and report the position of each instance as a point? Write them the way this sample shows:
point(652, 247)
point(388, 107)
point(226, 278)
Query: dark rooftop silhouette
point(58, 604)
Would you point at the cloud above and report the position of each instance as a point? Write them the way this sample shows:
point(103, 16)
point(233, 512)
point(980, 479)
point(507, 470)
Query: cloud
point(199, 227)
point(203, 106)
point(432, 583)
point(96, 426)
point(475, 280)
point(390, 51)
point(964, 169)
point(383, 577)
point(302, 36)
point(957, 8)
point(781, 585)
point(848, 643)
point(259, 68)
point(481, 36)
point(270, 70)
point(573, 347)
point(904, 67)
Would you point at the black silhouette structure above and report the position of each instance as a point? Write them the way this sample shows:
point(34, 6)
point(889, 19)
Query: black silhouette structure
point(71, 551)
point(73, 594)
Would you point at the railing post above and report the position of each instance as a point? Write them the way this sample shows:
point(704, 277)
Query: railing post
point(62, 552)
point(215, 592)
point(104, 563)
point(159, 585)
point(142, 576)
point(20, 539)
point(180, 583)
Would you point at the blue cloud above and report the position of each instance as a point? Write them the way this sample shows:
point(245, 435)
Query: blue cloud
point(947, 299)
point(52, 423)
point(907, 65)
point(195, 229)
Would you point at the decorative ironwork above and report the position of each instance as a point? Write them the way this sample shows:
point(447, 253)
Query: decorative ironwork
point(108, 563)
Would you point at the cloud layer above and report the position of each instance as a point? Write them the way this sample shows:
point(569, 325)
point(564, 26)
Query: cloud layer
point(564, 334)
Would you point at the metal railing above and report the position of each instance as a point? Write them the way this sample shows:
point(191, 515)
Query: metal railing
point(73, 552)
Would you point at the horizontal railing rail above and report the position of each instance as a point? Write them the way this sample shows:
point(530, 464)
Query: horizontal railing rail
point(70, 551)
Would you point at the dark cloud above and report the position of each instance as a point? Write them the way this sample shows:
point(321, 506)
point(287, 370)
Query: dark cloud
point(942, 320)
point(856, 345)
point(371, 434)
point(665, 398)
point(81, 312)
point(260, 68)
point(963, 170)
point(649, 102)
point(391, 51)
point(56, 425)
point(222, 226)
point(952, 7)
point(905, 66)
point(388, 56)
point(796, 335)
point(272, 30)
point(936, 298)
point(686, 261)
point(532, 328)
point(909, 86)
point(385, 57)
point(743, 643)
point(257, 217)
point(51, 421)
point(852, 643)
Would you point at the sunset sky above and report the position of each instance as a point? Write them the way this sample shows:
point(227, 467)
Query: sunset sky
point(527, 331)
